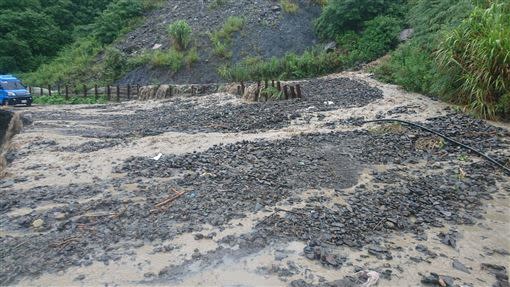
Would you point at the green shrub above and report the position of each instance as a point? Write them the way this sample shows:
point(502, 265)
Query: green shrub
point(272, 93)
point(114, 64)
point(379, 36)
point(215, 4)
point(191, 57)
point(291, 66)
point(289, 6)
point(115, 19)
point(180, 32)
point(172, 59)
point(222, 39)
point(73, 65)
point(476, 58)
point(412, 67)
point(340, 16)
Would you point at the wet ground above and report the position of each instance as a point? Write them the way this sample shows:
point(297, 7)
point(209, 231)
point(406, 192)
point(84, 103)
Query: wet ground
point(295, 193)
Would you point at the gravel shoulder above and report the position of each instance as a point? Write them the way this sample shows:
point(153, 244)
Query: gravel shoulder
point(294, 193)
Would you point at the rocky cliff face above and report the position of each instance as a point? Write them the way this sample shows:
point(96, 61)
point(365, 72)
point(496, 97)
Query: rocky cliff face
point(269, 31)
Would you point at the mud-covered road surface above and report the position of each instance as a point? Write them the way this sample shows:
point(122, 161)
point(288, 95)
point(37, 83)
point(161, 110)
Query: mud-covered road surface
point(215, 191)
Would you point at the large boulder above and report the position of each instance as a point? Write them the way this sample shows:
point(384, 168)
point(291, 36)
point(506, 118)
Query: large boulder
point(406, 35)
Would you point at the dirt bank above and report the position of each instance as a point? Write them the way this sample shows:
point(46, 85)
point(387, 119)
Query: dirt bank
point(292, 193)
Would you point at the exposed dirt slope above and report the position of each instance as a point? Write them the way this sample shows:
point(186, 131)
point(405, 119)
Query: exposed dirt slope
point(302, 197)
point(269, 31)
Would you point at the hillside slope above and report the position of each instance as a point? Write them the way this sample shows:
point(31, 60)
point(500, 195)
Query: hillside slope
point(268, 31)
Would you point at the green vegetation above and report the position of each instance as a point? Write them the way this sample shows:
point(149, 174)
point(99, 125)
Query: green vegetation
point(475, 60)
point(271, 93)
point(73, 62)
point(291, 66)
point(460, 52)
point(364, 41)
point(180, 32)
point(61, 100)
point(222, 39)
point(340, 16)
point(35, 31)
point(79, 63)
point(215, 4)
point(289, 6)
point(172, 59)
point(175, 58)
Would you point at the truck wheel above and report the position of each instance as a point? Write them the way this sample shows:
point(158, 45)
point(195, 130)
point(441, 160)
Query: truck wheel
point(29, 104)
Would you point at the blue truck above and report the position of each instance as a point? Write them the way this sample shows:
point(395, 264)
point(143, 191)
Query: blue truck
point(13, 92)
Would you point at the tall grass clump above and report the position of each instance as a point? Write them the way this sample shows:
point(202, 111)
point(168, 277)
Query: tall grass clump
point(289, 6)
point(292, 66)
point(180, 32)
point(474, 60)
point(172, 59)
point(222, 39)
point(412, 65)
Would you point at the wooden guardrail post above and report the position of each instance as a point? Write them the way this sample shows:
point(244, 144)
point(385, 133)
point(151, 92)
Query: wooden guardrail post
point(129, 92)
point(286, 92)
point(40, 91)
point(118, 93)
point(58, 89)
point(138, 90)
point(49, 90)
point(257, 92)
point(67, 92)
point(95, 92)
point(279, 86)
point(84, 91)
point(298, 90)
point(292, 92)
point(108, 93)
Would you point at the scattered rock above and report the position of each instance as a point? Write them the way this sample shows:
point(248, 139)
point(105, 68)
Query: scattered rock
point(438, 280)
point(449, 238)
point(459, 266)
point(38, 223)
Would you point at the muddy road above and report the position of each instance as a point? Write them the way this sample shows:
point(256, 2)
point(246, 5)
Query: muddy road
point(215, 191)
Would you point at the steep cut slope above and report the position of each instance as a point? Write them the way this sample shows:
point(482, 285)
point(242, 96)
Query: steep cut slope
point(268, 31)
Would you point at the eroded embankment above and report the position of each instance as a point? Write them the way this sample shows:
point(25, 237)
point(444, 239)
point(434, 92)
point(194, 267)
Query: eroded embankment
point(272, 193)
point(10, 125)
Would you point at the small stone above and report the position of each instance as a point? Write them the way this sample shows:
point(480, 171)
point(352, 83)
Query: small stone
point(459, 266)
point(59, 215)
point(38, 223)
point(79, 277)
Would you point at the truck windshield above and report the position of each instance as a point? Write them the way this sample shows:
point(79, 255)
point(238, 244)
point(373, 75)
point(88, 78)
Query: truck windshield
point(8, 85)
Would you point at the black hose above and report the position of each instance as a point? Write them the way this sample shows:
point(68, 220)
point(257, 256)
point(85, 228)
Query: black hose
point(490, 159)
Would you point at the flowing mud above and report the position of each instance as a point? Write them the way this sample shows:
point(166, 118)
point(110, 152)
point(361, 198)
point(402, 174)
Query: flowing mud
point(296, 193)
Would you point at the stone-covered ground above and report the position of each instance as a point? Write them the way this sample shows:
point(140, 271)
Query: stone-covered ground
point(296, 193)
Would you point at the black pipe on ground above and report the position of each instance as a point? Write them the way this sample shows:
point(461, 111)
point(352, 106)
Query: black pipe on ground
point(480, 153)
